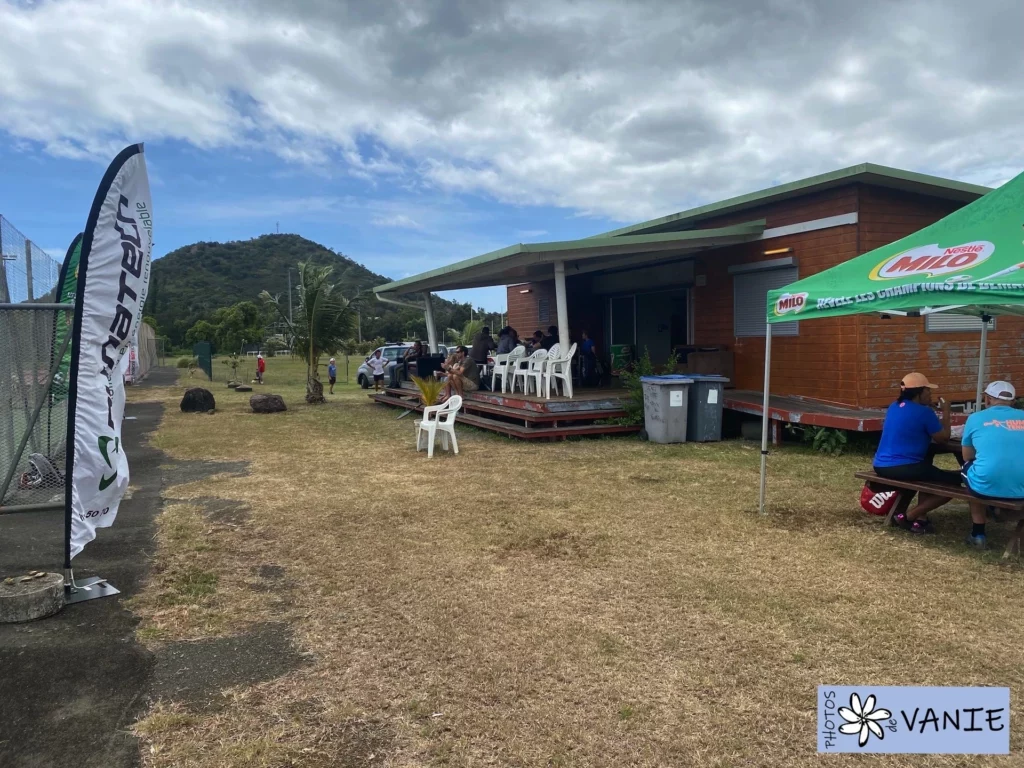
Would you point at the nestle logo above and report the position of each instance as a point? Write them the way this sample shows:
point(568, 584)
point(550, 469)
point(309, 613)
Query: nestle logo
point(931, 260)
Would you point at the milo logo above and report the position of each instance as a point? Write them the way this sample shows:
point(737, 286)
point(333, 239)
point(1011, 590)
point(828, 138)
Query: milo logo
point(790, 302)
point(931, 260)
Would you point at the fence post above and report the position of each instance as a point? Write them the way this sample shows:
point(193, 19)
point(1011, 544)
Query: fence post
point(5, 294)
point(28, 270)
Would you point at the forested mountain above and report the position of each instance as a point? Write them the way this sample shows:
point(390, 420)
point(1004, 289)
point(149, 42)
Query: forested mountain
point(189, 284)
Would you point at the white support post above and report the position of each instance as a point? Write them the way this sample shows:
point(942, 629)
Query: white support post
point(764, 414)
point(978, 405)
point(561, 307)
point(428, 311)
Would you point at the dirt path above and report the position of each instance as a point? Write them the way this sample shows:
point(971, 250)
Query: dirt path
point(73, 684)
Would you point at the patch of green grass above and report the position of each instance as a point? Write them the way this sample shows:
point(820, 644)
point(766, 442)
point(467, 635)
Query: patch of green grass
point(164, 722)
point(191, 586)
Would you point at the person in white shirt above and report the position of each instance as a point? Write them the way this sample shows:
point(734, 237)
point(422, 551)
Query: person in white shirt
point(377, 364)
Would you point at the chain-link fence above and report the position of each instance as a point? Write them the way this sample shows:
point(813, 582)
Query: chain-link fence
point(34, 361)
point(34, 364)
point(27, 272)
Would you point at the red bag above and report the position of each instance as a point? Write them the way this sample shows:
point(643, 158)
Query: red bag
point(877, 502)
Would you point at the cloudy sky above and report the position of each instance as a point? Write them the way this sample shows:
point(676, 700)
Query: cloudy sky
point(412, 134)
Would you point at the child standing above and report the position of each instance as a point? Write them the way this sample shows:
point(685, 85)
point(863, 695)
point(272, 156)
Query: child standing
point(332, 373)
point(377, 363)
point(261, 366)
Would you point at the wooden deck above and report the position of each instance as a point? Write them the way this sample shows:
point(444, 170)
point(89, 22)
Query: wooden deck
point(529, 417)
point(787, 409)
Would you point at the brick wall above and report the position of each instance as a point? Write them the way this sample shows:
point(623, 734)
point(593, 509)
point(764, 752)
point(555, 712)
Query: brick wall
point(822, 360)
point(524, 309)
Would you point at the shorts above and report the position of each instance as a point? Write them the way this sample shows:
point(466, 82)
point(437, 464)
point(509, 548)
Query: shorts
point(922, 471)
point(332, 381)
point(378, 377)
point(469, 386)
point(967, 482)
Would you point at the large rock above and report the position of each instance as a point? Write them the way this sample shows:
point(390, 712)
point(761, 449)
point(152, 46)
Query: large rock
point(198, 400)
point(267, 404)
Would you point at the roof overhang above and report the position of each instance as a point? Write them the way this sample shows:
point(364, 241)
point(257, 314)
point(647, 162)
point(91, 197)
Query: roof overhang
point(527, 262)
point(865, 173)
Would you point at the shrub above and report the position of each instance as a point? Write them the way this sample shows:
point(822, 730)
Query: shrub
point(185, 362)
point(630, 378)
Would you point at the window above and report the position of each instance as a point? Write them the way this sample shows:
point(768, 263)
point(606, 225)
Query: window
point(750, 301)
point(943, 321)
point(543, 311)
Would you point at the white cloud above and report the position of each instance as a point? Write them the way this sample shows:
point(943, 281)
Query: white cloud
point(624, 108)
point(399, 220)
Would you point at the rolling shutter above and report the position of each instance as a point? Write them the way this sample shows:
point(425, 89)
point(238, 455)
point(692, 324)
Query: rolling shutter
point(750, 298)
point(963, 323)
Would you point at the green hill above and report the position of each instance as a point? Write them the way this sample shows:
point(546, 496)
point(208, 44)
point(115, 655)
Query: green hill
point(188, 284)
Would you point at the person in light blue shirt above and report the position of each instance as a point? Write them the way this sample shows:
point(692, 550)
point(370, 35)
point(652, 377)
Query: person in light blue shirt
point(332, 373)
point(993, 454)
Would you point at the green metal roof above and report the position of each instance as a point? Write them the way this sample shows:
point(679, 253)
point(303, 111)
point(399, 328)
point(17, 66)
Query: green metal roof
point(867, 173)
point(649, 241)
point(527, 261)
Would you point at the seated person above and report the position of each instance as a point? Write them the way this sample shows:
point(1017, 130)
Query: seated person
point(411, 355)
point(483, 343)
point(463, 376)
point(551, 339)
point(505, 343)
point(993, 446)
point(905, 451)
point(536, 342)
point(513, 335)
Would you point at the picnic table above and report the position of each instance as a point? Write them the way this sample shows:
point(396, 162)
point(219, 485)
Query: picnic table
point(1007, 510)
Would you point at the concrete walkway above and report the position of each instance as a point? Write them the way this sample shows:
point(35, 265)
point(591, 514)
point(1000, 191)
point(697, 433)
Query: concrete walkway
point(71, 685)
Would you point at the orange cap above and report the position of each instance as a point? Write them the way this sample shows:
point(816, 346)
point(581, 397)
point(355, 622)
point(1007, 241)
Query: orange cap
point(915, 380)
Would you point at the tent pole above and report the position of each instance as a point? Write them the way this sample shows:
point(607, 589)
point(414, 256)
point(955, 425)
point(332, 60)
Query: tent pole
point(981, 362)
point(764, 412)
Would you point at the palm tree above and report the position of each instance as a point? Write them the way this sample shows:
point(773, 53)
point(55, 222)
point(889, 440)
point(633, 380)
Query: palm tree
point(323, 322)
point(467, 334)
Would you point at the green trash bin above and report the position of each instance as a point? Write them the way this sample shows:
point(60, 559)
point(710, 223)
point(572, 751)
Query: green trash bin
point(666, 403)
point(704, 417)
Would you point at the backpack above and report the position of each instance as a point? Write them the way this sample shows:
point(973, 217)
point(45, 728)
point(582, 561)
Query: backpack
point(877, 501)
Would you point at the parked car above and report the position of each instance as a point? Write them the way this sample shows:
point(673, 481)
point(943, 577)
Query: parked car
point(391, 353)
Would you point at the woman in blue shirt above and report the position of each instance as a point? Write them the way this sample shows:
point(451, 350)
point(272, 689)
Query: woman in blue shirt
point(906, 450)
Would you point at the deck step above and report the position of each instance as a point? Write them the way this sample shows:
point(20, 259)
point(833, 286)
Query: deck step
point(519, 430)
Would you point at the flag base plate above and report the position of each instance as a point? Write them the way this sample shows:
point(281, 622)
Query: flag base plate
point(89, 589)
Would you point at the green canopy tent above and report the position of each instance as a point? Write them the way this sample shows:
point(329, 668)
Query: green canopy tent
point(969, 263)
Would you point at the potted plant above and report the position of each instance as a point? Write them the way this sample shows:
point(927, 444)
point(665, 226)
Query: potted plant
point(430, 389)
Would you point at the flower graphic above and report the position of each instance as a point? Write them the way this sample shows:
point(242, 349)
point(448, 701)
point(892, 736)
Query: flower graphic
point(863, 719)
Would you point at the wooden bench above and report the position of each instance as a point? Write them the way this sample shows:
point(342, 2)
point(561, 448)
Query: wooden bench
point(1013, 508)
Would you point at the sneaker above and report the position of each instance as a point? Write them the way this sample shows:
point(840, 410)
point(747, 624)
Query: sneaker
point(900, 520)
point(922, 526)
point(978, 542)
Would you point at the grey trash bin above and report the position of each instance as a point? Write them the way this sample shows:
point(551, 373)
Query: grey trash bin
point(704, 420)
point(666, 403)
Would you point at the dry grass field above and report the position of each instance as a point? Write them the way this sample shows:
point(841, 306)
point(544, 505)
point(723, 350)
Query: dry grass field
point(592, 603)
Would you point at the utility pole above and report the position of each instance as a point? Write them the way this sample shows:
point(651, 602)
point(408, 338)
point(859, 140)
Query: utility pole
point(291, 320)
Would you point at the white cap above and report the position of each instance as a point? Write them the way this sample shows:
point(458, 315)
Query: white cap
point(332, 359)
point(1001, 390)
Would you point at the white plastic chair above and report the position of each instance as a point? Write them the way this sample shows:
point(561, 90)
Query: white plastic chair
point(443, 421)
point(559, 369)
point(504, 365)
point(531, 371)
